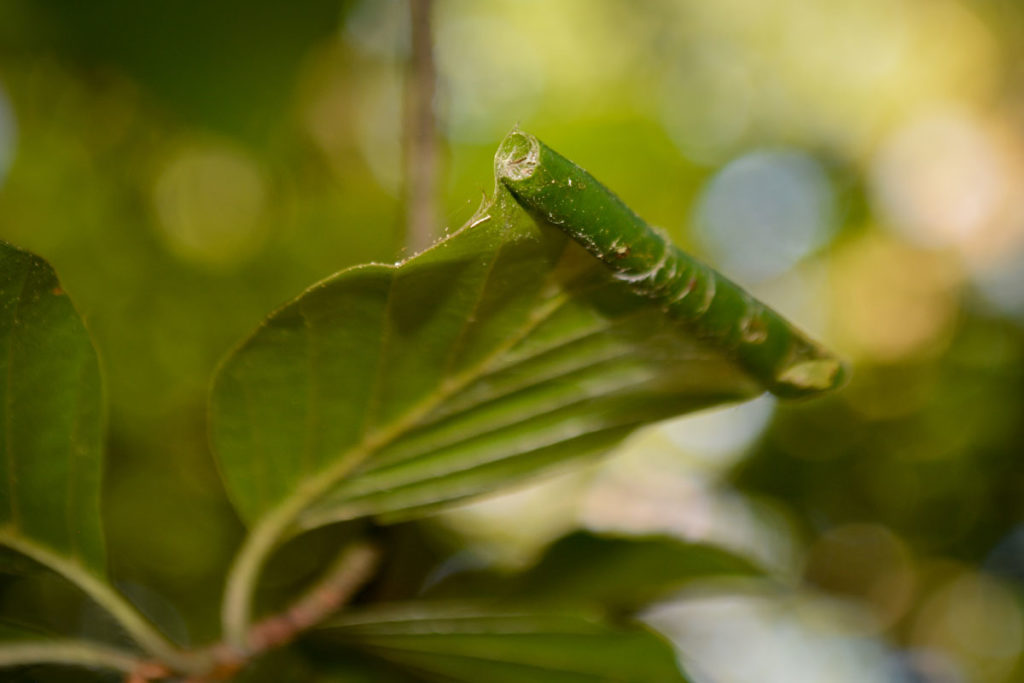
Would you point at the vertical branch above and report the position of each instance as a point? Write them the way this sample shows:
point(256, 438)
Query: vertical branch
point(421, 144)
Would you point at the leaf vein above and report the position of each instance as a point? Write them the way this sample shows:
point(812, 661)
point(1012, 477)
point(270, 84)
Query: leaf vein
point(439, 465)
point(467, 323)
point(517, 419)
point(542, 382)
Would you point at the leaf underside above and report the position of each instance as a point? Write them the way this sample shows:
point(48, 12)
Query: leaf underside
point(502, 351)
point(51, 418)
point(467, 643)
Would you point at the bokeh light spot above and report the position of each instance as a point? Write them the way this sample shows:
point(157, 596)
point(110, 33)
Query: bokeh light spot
point(764, 212)
point(867, 563)
point(379, 28)
point(210, 201)
point(1002, 285)
point(976, 621)
point(891, 300)
point(773, 638)
point(379, 123)
point(491, 72)
point(941, 180)
point(706, 105)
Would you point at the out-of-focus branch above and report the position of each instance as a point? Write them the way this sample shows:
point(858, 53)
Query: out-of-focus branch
point(67, 653)
point(353, 567)
point(421, 144)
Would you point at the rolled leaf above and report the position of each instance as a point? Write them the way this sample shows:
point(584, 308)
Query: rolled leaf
point(501, 352)
point(707, 303)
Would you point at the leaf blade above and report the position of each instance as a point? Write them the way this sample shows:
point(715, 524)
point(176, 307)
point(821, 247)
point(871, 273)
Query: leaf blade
point(617, 573)
point(444, 382)
point(708, 303)
point(51, 417)
point(466, 642)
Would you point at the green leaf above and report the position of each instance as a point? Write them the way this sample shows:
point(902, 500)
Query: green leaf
point(51, 419)
point(505, 350)
point(12, 630)
point(306, 665)
point(51, 458)
point(627, 572)
point(614, 572)
point(465, 643)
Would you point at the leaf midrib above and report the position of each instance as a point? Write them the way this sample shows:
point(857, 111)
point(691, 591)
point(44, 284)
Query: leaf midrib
point(517, 418)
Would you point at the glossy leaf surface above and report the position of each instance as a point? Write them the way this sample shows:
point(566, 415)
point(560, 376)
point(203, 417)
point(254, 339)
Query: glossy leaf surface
point(503, 351)
point(464, 644)
point(51, 419)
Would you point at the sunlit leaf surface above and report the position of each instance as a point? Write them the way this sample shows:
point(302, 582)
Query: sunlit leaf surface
point(50, 418)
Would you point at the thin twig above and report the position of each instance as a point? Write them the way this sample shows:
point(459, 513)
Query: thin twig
point(265, 537)
point(352, 569)
point(348, 574)
point(136, 625)
point(421, 147)
point(67, 653)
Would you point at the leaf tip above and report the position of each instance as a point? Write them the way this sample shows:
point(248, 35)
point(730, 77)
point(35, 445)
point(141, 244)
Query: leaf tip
point(810, 377)
point(518, 155)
